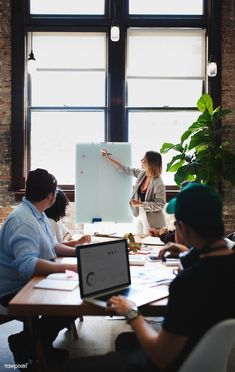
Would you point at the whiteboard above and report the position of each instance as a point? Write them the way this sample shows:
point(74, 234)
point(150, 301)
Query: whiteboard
point(102, 191)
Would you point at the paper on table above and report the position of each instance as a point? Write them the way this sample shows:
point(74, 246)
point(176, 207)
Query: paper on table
point(62, 285)
point(68, 275)
point(62, 281)
point(151, 276)
point(152, 240)
point(136, 259)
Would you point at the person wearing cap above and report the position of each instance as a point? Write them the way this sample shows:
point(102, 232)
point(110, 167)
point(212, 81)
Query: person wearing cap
point(27, 248)
point(200, 296)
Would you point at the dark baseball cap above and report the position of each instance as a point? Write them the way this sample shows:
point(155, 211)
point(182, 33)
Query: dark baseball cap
point(39, 184)
point(198, 206)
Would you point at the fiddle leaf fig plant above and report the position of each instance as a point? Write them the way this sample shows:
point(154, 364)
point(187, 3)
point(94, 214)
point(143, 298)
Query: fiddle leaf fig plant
point(202, 155)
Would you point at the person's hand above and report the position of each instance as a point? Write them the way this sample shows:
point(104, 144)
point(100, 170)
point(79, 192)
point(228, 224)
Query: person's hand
point(173, 248)
point(163, 230)
point(84, 239)
point(136, 203)
point(154, 232)
point(158, 232)
point(72, 267)
point(120, 304)
point(105, 153)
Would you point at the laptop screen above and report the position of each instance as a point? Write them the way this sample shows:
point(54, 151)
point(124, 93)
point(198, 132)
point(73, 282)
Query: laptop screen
point(103, 267)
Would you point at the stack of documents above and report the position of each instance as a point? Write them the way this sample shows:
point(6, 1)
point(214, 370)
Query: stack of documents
point(59, 281)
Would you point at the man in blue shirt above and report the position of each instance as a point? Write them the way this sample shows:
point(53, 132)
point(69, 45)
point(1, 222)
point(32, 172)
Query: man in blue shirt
point(27, 248)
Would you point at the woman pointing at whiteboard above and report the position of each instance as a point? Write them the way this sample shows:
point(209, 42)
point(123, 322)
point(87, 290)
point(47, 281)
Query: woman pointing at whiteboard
point(148, 196)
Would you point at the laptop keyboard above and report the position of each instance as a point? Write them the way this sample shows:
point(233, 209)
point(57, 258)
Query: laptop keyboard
point(123, 292)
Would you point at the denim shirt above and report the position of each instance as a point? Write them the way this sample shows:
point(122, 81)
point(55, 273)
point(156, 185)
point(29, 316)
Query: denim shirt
point(25, 237)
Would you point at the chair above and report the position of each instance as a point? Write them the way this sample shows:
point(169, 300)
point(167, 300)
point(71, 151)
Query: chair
point(5, 317)
point(73, 328)
point(212, 351)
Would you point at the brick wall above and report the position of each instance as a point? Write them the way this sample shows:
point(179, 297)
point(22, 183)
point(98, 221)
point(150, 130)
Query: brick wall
point(4, 212)
point(6, 197)
point(228, 101)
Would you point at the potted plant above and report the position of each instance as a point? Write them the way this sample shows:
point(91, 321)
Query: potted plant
point(202, 154)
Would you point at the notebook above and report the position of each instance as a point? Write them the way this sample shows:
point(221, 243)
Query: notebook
point(104, 271)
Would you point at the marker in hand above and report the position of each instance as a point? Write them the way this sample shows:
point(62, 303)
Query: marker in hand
point(105, 153)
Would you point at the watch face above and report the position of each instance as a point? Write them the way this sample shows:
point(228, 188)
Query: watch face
point(132, 314)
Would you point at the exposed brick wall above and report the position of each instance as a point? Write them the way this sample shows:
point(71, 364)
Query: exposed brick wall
point(6, 198)
point(228, 101)
point(4, 212)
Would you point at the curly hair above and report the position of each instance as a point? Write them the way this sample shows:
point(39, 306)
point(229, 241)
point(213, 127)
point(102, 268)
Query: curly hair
point(58, 209)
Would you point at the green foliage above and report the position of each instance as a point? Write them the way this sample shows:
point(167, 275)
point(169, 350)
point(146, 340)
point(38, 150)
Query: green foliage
point(202, 156)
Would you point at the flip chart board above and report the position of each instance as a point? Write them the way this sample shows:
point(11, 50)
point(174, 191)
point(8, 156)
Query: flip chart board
point(102, 191)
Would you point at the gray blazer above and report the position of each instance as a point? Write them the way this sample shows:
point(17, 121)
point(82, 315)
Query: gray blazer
point(155, 197)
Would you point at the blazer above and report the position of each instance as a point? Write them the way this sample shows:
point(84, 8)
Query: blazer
point(155, 197)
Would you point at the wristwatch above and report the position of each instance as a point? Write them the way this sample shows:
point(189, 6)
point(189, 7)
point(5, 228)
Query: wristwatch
point(132, 314)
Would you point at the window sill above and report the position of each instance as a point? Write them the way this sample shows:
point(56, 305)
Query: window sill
point(171, 192)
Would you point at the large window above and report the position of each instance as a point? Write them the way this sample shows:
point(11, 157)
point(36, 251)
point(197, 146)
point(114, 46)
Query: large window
point(166, 7)
point(68, 99)
point(142, 88)
point(165, 75)
point(67, 7)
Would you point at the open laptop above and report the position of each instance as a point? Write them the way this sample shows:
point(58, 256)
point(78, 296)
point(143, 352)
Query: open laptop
point(104, 271)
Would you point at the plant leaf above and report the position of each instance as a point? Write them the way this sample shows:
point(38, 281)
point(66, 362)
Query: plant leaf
point(199, 138)
point(185, 136)
point(205, 102)
point(220, 114)
point(205, 119)
point(179, 147)
point(175, 158)
point(166, 147)
point(182, 175)
point(176, 166)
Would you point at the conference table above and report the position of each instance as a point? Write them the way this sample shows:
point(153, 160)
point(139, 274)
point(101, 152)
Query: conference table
point(31, 302)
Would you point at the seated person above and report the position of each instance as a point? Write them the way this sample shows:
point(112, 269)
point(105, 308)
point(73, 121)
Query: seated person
point(199, 297)
point(28, 248)
point(55, 213)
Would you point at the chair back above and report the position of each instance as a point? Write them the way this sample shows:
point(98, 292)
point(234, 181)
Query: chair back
point(212, 351)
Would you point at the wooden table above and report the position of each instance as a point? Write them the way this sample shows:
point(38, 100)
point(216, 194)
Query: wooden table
point(32, 301)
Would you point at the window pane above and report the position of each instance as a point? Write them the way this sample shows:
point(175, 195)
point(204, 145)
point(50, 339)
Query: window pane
point(53, 139)
point(163, 93)
point(166, 7)
point(157, 128)
point(66, 7)
point(166, 53)
point(70, 50)
point(68, 88)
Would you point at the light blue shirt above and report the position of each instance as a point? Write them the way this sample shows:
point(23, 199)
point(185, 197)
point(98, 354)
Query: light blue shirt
point(25, 237)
